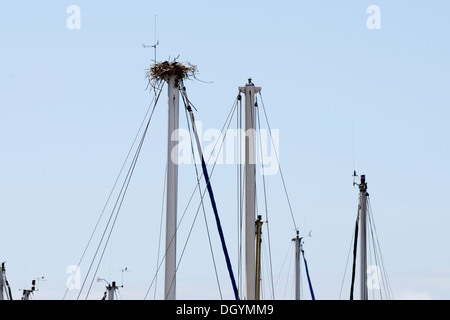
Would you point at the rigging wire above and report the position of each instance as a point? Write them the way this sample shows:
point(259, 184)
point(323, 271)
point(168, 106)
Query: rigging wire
point(118, 293)
point(225, 126)
point(123, 193)
point(128, 181)
point(153, 103)
point(213, 203)
point(118, 202)
point(209, 237)
point(288, 275)
point(279, 166)
point(199, 189)
point(373, 279)
point(355, 248)
point(377, 247)
point(265, 200)
point(346, 264)
point(287, 255)
point(239, 189)
point(178, 225)
point(163, 258)
point(281, 175)
point(268, 272)
point(375, 258)
point(160, 230)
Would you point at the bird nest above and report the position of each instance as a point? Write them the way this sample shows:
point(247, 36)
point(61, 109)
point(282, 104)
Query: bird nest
point(166, 70)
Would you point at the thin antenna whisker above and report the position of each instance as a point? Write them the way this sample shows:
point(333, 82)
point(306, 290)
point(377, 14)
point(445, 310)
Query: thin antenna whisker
point(154, 45)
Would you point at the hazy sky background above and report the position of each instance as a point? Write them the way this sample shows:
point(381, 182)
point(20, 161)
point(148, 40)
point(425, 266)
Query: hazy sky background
point(71, 102)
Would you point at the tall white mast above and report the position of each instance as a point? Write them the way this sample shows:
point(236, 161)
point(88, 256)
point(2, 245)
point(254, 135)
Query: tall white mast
point(298, 245)
point(363, 236)
point(249, 170)
point(172, 188)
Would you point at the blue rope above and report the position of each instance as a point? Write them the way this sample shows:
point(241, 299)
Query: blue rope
point(309, 280)
point(213, 203)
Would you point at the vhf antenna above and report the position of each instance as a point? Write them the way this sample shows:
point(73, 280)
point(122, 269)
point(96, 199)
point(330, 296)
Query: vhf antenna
point(353, 151)
point(156, 42)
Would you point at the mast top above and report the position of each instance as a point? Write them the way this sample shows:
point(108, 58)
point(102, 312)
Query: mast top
point(363, 184)
point(249, 84)
point(297, 238)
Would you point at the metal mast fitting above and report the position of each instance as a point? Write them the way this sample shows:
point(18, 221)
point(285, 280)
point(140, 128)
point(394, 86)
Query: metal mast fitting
point(172, 73)
point(259, 224)
point(249, 171)
point(363, 235)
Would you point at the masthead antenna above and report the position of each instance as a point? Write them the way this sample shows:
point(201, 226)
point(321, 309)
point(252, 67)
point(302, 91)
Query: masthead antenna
point(154, 45)
point(353, 151)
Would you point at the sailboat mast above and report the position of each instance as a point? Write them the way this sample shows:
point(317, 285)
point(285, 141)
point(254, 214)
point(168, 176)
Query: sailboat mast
point(297, 240)
point(249, 171)
point(363, 236)
point(111, 290)
point(2, 281)
point(5, 290)
point(172, 188)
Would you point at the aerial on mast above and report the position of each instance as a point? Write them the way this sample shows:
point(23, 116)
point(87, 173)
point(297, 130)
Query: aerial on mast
point(27, 292)
point(154, 45)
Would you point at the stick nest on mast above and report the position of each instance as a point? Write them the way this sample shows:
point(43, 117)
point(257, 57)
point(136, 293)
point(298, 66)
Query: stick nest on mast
point(166, 70)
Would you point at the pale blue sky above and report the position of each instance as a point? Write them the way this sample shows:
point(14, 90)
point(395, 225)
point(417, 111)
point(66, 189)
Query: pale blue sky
point(71, 102)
